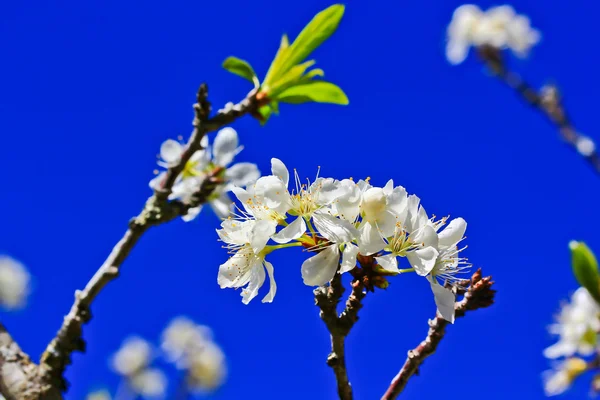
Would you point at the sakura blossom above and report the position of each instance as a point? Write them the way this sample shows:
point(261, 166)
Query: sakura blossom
point(336, 222)
point(14, 283)
point(499, 27)
point(205, 163)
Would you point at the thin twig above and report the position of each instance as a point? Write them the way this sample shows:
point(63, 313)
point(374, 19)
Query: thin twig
point(327, 298)
point(157, 210)
point(548, 101)
point(478, 295)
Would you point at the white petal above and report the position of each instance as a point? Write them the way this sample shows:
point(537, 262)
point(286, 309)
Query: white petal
point(320, 269)
point(222, 205)
point(291, 232)
point(423, 260)
point(397, 201)
point(242, 194)
point(453, 233)
point(389, 187)
point(389, 262)
point(192, 214)
point(348, 258)
point(444, 300)
point(334, 229)
point(242, 174)
point(225, 146)
point(261, 233)
point(234, 272)
point(457, 51)
point(370, 240)
point(427, 236)
point(279, 169)
point(273, 192)
point(156, 182)
point(560, 349)
point(170, 151)
point(387, 223)
point(273, 286)
point(257, 278)
point(326, 190)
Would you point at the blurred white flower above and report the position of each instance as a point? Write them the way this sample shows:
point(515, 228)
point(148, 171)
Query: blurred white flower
point(134, 356)
point(181, 336)
point(201, 165)
point(585, 146)
point(99, 395)
point(499, 27)
point(14, 283)
point(559, 379)
point(577, 327)
point(207, 369)
point(149, 383)
point(191, 348)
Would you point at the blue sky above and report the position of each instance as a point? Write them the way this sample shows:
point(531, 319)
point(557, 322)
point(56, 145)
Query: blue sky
point(91, 89)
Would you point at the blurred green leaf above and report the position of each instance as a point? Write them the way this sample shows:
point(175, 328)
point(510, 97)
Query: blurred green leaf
point(585, 268)
point(319, 29)
point(241, 68)
point(278, 60)
point(317, 91)
point(265, 113)
point(290, 78)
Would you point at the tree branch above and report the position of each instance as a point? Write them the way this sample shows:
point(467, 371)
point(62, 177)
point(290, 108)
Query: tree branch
point(547, 101)
point(327, 299)
point(49, 381)
point(478, 295)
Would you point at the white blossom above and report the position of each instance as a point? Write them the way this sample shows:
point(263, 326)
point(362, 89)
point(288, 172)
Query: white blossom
point(577, 326)
point(201, 165)
point(181, 335)
point(134, 356)
point(14, 283)
point(192, 349)
point(560, 378)
point(499, 27)
point(338, 220)
point(448, 265)
point(149, 383)
point(98, 395)
point(246, 267)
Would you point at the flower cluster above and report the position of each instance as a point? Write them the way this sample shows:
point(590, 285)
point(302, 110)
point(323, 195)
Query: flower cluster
point(498, 27)
point(192, 349)
point(14, 283)
point(577, 326)
point(132, 361)
point(203, 164)
point(337, 220)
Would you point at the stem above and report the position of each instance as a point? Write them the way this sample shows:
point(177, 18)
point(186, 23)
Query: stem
point(269, 249)
point(479, 295)
point(402, 271)
point(157, 210)
point(310, 227)
point(327, 298)
point(547, 101)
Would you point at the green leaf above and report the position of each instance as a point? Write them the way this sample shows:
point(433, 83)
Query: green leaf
point(317, 91)
point(241, 68)
point(585, 268)
point(319, 29)
point(278, 60)
point(265, 113)
point(290, 78)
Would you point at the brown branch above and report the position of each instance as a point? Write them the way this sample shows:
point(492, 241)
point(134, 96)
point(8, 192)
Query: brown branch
point(478, 295)
point(49, 380)
point(327, 299)
point(548, 101)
